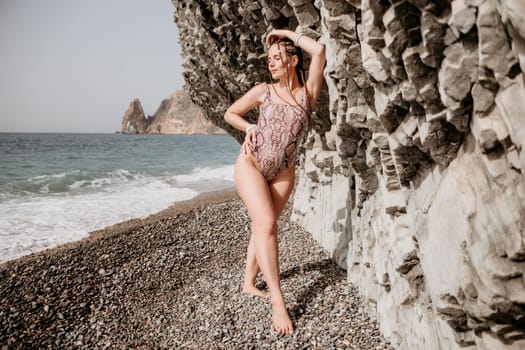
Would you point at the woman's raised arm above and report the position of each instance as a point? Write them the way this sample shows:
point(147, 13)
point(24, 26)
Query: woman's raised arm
point(314, 82)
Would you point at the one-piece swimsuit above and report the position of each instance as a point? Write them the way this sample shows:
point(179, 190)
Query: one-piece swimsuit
point(280, 130)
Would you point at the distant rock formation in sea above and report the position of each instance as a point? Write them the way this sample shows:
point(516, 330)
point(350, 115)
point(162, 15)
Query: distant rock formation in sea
point(177, 114)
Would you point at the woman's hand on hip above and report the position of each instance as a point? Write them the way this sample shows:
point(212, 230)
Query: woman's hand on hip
point(250, 142)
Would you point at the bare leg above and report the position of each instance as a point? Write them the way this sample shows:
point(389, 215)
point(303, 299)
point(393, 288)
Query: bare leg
point(256, 194)
point(252, 267)
point(280, 190)
point(252, 270)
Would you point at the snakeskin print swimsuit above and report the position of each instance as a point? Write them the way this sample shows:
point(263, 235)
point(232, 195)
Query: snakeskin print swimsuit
point(280, 130)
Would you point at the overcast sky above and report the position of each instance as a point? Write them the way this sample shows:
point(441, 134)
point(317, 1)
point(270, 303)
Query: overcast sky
point(74, 66)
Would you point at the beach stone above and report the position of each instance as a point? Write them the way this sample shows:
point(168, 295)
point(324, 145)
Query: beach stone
point(411, 176)
point(156, 297)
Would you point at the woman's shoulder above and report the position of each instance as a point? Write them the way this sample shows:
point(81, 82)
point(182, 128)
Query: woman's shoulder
point(262, 87)
point(259, 91)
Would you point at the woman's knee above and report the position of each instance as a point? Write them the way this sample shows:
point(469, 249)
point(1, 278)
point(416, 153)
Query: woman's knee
point(265, 226)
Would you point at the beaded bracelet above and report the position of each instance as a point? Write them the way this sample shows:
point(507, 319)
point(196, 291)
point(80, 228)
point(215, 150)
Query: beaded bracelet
point(250, 128)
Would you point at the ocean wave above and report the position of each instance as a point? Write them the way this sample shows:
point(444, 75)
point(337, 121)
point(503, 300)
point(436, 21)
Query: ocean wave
point(47, 210)
point(37, 223)
point(55, 188)
point(205, 174)
point(70, 181)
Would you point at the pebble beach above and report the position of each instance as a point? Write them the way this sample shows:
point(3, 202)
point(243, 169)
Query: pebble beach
point(173, 281)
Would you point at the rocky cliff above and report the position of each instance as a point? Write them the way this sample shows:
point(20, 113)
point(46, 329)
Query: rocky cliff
point(177, 114)
point(134, 120)
point(412, 174)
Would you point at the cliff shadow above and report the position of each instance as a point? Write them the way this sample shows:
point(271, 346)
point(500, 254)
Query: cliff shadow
point(319, 275)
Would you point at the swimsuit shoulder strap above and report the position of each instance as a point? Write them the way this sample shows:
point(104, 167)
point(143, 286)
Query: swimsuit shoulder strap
point(305, 99)
point(268, 94)
point(267, 88)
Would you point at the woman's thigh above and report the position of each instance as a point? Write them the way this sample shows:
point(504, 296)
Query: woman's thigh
point(280, 189)
point(253, 190)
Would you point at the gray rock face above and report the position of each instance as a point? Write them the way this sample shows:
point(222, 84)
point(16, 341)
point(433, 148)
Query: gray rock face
point(412, 173)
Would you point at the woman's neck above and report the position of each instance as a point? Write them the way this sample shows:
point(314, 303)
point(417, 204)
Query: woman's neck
point(292, 85)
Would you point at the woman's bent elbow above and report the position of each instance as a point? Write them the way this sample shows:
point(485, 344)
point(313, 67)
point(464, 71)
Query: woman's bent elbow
point(321, 52)
point(227, 117)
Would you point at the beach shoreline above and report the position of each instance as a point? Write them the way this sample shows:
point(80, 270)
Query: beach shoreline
point(57, 188)
point(173, 280)
point(202, 199)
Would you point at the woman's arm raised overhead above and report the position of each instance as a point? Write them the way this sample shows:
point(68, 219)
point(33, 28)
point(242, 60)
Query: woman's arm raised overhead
point(316, 50)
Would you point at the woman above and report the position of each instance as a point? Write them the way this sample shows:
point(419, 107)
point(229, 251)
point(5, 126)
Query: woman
point(265, 168)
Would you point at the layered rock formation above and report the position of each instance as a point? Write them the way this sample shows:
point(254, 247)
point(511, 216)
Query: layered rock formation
point(134, 120)
point(177, 114)
point(412, 174)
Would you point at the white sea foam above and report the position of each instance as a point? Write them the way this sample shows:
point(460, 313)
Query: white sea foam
point(205, 179)
point(72, 181)
point(34, 223)
point(55, 188)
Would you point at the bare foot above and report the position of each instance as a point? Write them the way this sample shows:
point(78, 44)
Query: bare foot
point(251, 289)
point(281, 321)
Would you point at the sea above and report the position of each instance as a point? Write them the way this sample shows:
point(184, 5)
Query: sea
point(56, 188)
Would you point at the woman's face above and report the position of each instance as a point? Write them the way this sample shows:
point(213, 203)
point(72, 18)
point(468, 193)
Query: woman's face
point(278, 62)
